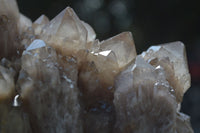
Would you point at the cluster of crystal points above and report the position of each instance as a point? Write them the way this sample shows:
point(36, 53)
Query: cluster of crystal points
point(56, 77)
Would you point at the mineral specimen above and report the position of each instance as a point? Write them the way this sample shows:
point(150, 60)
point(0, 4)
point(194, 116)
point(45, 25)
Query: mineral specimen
point(56, 77)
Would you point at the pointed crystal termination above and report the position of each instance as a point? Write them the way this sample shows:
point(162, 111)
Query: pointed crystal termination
point(141, 90)
point(39, 24)
point(48, 86)
point(9, 16)
point(65, 32)
point(123, 46)
point(172, 57)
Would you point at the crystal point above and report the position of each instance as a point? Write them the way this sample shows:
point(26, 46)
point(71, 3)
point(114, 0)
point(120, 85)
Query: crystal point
point(39, 24)
point(65, 32)
point(172, 58)
point(123, 46)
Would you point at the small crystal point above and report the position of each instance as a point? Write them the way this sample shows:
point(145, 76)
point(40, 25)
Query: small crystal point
point(41, 20)
point(123, 47)
point(39, 24)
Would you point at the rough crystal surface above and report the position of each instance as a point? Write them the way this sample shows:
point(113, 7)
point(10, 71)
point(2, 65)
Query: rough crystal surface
point(172, 58)
point(56, 77)
point(9, 17)
point(7, 85)
point(49, 85)
point(140, 91)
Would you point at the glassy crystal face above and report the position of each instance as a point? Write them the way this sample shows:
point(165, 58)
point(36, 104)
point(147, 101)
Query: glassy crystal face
point(123, 46)
point(39, 24)
point(55, 76)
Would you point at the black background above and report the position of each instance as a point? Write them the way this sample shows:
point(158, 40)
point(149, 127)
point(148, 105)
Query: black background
point(150, 21)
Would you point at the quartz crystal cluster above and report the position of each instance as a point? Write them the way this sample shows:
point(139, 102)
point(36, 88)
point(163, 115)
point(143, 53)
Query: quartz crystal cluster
point(56, 77)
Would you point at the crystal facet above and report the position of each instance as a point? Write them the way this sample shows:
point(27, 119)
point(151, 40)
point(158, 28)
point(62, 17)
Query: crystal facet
point(123, 46)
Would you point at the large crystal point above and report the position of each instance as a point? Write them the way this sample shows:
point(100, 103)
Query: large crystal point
point(9, 16)
point(172, 58)
point(65, 32)
point(48, 86)
point(123, 47)
point(142, 100)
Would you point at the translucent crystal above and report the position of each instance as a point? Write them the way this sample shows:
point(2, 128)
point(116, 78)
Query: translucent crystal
point(49, 82)
point(142, 100)
point(172, 58)
point(65, 32)
point(39, 24)
point(91, 33)
point(123, 47)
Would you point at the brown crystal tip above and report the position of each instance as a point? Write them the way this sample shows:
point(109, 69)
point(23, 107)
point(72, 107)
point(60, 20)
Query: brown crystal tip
point(56, 77)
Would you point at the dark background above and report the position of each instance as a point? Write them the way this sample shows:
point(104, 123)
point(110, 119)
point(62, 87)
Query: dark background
point(150, 21)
